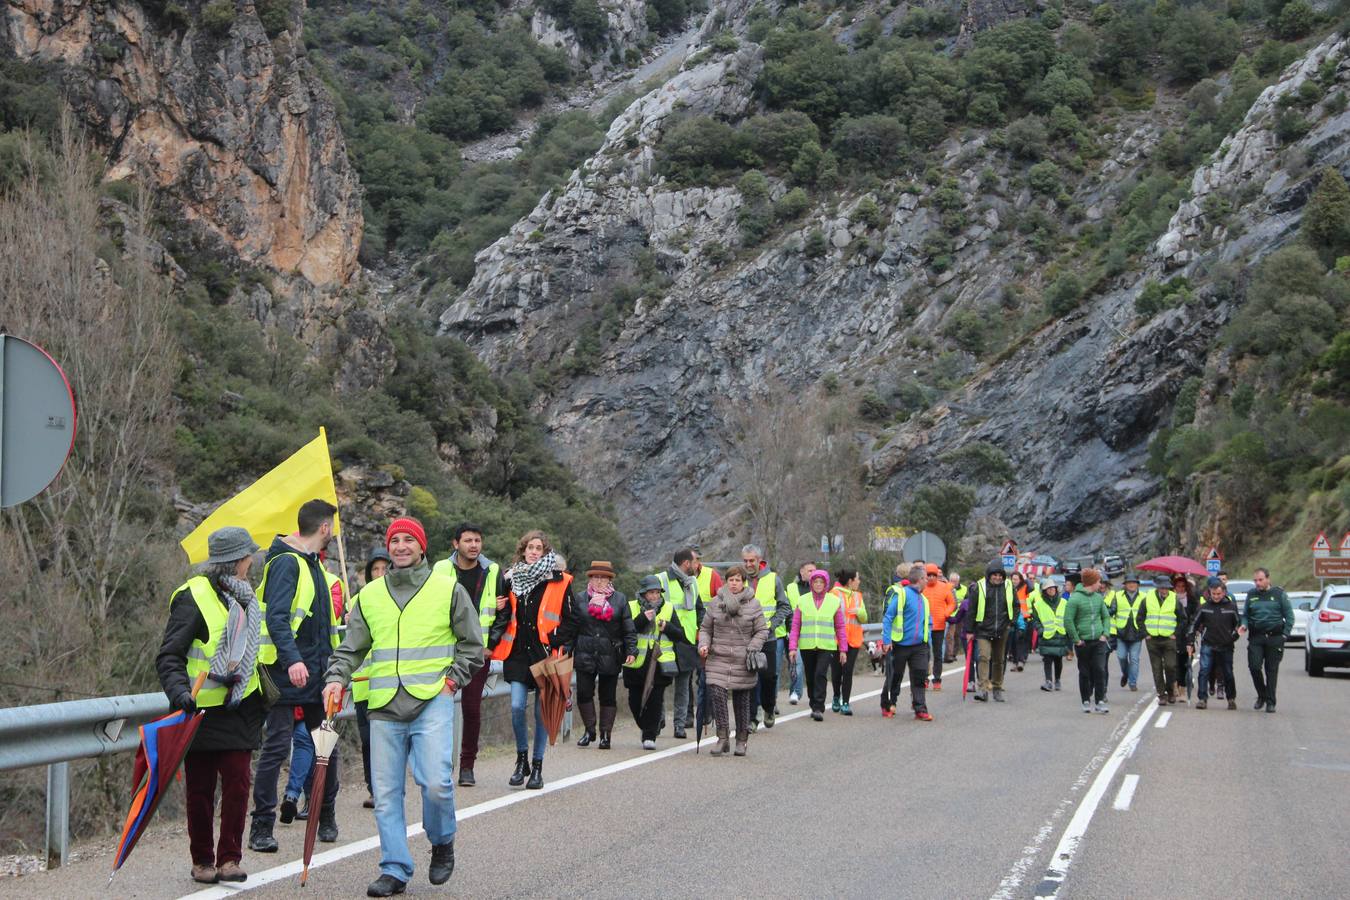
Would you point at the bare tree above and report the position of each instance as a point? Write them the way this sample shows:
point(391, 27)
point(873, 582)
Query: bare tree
point(82, 561)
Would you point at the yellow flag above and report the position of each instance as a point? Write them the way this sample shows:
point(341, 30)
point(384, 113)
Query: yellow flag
point(269, 506)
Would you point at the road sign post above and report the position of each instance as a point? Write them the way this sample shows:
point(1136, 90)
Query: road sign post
point(1009, 556)
point(1213, 562)
point(1321, 547)
point(37, 420)
point(925, 546)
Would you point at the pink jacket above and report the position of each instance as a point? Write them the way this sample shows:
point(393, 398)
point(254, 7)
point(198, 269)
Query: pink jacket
point(839, 622)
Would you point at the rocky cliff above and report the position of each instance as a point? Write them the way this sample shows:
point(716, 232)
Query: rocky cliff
point(232, 126)
point(1072, 402)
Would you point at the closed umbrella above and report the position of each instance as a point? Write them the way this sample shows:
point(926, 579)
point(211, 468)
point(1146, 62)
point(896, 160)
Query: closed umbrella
point(553, 678)
point(965, 676)
point(325, 739)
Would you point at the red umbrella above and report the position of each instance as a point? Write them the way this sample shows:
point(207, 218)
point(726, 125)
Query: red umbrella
point(1174, 565)
point(164, 743)
point(965, 676)
point(325, 738)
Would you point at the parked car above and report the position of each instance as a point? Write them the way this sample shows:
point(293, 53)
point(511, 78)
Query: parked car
point(1303, 603)
point(1328, 640)
point(1238, 590)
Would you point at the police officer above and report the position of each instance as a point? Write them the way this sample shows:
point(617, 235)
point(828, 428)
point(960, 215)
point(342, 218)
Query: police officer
point(1267, 620)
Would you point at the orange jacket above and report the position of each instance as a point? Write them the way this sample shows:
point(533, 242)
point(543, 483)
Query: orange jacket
point(851, 602)
point(550, 616)
point(941, 603)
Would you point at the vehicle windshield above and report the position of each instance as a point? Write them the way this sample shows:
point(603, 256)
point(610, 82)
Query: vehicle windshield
point(1240, 588)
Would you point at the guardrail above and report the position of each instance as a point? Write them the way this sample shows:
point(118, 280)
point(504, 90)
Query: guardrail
point(54, 734)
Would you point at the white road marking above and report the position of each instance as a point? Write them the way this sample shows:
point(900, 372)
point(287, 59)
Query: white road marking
point(1126, 793)
point(1163, 720)
point(293, 868)
point(1082, 817)
point(1008, 888)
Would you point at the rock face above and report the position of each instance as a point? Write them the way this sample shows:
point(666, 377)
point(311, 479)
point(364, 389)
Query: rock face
point(641, 420)
point(234, 129)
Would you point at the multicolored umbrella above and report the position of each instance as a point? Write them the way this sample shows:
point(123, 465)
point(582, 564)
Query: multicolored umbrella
point(164, 743)
point(325, 739)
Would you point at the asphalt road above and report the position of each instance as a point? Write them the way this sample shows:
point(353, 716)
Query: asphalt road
point(984, 802)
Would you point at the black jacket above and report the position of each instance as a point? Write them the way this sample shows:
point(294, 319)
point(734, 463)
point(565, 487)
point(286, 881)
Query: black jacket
point(996, 621)
point(597, 646)
point(221, 728)
point(1217, 622)
point(312, 641)
point(527, 649)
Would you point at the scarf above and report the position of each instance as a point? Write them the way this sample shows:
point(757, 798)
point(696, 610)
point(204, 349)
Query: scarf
point(599, 606)
point(525, 578)
point(729, 603)
point(237, 653)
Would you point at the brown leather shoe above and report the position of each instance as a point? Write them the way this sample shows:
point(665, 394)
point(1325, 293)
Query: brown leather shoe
point(205, 874)
point(230, 871)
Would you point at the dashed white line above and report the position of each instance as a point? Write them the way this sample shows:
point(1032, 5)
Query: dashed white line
point(1163, 720)
point(1082, 817)
point(292, 869)
point(1126, 793)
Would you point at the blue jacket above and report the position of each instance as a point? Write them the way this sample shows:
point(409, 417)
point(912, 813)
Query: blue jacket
point(311, 643)
point(911, 626)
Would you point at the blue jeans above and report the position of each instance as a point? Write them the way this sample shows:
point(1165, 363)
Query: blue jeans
point(429, 740)
point(520, 693)
point(1220, 660)
point(302, 761)
point(1127, 652)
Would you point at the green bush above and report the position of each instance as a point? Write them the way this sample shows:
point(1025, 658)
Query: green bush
point(1044, 178)
point(1027, 137)
point(868, 213)
point(815, 245)
point(982, 462)
point(218, 17)
point(1197, 41)
point(1063, 294)
point(967, 330)
point(1326, 219)
point(589, 23)
point(792, 205)
point(696, 149)
point(275, 15)
point(1157, 296)
point(1183, 408)
point(874, 143)
point(1296, 19)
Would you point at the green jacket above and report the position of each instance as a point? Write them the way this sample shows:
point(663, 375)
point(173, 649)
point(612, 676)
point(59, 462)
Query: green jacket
point(1268, 612)
point(1086, 618)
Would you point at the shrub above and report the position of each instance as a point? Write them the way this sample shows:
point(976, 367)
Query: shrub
point(1295, 20)
point(1326, 220)
point(967, 330)
point(815, 245)
point(1183, 408)
point(1196, 42)
point(1044, 178)
point(868, 213)
point(1026, 138)
point(983, 109)
point(275, 15)
point(874, 142)
point(589, 23)
point(1157, 296)
point(725, 42)
point(779, 137)
point(696, 149)
point(218, 17)
point(1290, 126)
point(1063, 294)
point(981, 461)
point(871, 406)
point(792, 205)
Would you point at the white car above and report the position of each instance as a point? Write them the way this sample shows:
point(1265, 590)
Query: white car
point(1328, 640)
point(1303, 602)
point(1238, 590)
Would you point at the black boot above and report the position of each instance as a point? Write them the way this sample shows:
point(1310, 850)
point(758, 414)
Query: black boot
point(385, 886)
point(522, 769)
point(260, 838)
point(466, 777)
point(587, 711)
point(536, 781)
point(607, 714)
point(328, 830)
point(442, 863)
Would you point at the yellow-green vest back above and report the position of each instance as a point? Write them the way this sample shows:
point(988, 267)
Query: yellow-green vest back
point(898, 623)
point(686, 610)
point(766, 592)
point(817, 628)
point(794, 599)
point(301, 605)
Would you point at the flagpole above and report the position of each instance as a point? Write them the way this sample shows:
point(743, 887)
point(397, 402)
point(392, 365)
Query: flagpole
point(342, 543)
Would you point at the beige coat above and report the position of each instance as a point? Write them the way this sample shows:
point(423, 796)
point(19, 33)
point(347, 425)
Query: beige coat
point(733, 625)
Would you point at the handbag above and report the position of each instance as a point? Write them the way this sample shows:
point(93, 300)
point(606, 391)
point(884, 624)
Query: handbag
point(270, 692)
point(755, 660)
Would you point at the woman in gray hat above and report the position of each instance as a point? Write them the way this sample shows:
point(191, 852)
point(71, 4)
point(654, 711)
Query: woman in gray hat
point(214, 629)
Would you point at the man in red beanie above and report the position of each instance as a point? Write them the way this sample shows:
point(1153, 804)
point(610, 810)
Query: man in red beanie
point(421, 631)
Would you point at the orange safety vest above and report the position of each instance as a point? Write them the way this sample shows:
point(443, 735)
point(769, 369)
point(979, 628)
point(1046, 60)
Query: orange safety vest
point(550, 615)
point(853, 629)
point(1024, 598)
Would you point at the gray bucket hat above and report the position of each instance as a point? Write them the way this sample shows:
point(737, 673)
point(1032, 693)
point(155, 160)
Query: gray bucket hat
point(230, 544)
point(650, 583)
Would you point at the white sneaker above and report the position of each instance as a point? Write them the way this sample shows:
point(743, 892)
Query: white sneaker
point(649, 745)
point(1102, 708)
point(1087, 707)
point(794, 697)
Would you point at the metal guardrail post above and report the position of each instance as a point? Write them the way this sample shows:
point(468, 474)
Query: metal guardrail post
point(58, 814)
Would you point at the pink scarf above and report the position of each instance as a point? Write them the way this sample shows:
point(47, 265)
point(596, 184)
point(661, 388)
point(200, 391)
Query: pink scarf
point(599, 606)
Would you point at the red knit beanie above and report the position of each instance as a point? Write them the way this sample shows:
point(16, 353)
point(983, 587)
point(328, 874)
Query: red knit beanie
point(407, 525)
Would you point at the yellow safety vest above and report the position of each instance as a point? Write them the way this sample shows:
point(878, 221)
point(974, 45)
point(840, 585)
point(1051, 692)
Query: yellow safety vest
point(486, 600)
point(199, 655)
point(766, 592)
point(412, 647)
point(979, 602)
point(685, 610)
point(898, 623)
point(1051, 617)
point(794, 599)
point(361, 689)
point(1122, 612)
point(645, 639)
point(817, 628)
point(301, 605)
point(1160, 616)
point(705, 575)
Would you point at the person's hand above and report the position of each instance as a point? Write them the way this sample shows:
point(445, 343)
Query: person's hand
point(792, 655)
point(703, 652)
point(1104, 639)
point(1242, 629)
point(885, 648)
point(299, 675)
point(185, 702)
point(450, 686)
point(332, 694)
point(843, 657)
point(650, 614)
point(501, 602)
point(628, 661)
